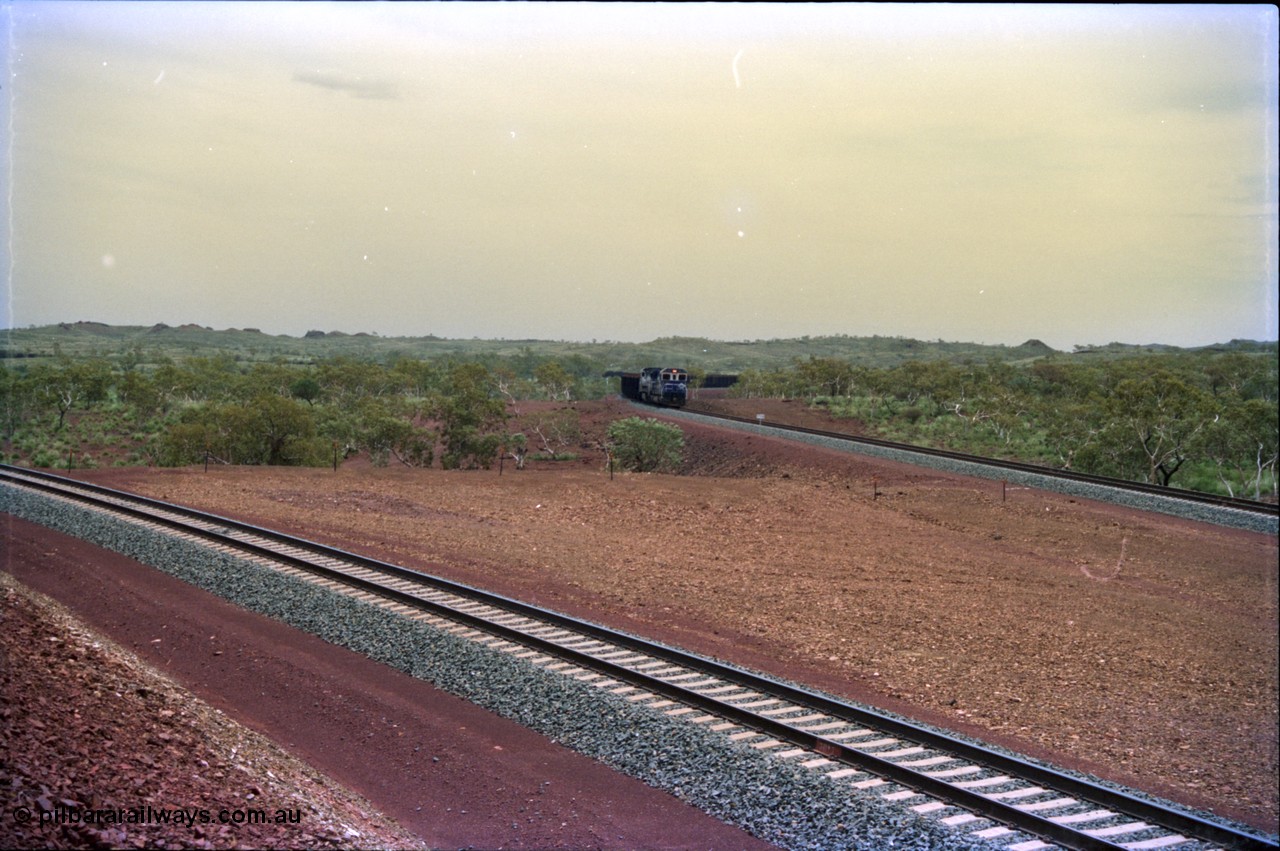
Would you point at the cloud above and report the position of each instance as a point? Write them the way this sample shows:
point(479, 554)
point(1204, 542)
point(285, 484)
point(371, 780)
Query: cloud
point(356, 86)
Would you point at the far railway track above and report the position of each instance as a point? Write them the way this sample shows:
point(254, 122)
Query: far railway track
point(972, 789)
point(1264, 509)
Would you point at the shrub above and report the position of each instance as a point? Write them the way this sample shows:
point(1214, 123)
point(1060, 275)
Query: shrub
point(646, 445)
point(44, 458)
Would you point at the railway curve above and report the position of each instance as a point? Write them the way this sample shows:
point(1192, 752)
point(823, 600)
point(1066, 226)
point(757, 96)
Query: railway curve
point(947, 786)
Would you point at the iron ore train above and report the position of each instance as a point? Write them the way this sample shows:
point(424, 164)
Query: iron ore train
point(657, 385)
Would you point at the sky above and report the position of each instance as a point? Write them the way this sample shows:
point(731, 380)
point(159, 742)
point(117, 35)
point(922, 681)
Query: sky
point(1078, 174)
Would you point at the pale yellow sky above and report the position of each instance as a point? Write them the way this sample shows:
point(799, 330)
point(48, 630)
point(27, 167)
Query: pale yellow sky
point(1078, 174)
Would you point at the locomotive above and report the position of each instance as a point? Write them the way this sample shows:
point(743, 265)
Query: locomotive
point(657, 386)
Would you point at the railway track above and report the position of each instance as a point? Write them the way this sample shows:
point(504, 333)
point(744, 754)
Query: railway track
point(977, 792)
point(996, 468)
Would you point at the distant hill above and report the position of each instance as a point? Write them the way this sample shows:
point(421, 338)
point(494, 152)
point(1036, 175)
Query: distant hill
point(156, 342)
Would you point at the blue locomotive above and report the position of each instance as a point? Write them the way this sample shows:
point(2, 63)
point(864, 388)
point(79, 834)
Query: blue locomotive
point(657, 386)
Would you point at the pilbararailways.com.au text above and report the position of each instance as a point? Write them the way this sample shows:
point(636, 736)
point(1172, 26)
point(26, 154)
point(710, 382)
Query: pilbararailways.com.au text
point(190, 816)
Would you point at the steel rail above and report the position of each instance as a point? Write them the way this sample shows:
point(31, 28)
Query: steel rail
point(1122, 804)
point(1237, 503)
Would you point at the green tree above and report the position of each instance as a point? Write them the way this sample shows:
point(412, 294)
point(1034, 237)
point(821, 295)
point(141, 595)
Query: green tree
point(169, 380)
point(69, 385)
point(186, 443)
point(760, 384)
point(416, 378)
point(935, 380)
point(1228, 372)
point(387, 429)
point(276, 378)
point(306, 388)
point(1069, 427)
point(555, 380)
point(472, 415)
point(824, 377)
point(285, 428)
point(139, 391)
point(346, 380)
point(268, 430)
point(1243, 442)
point(1152, 424)
point(511, 387)
point(646, 445)
point(214, 379)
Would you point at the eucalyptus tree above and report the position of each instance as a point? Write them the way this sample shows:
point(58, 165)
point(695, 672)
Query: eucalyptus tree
point(305, 388)
point(275, 378)
point(207, 379)
point(761, 384)
point(555, 380)
point(284, 429)
point(416, 378)
point(141, 392)
point(1151, 427)
point(388, 428)
point(268, 429)
point(69, 385)
point(1243, 442)
point(346, 380)
point(471, 413)
point(824, 376)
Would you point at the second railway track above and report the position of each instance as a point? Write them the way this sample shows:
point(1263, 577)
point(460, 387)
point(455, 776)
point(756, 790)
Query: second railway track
point(1224, 511)
point(946, 791)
